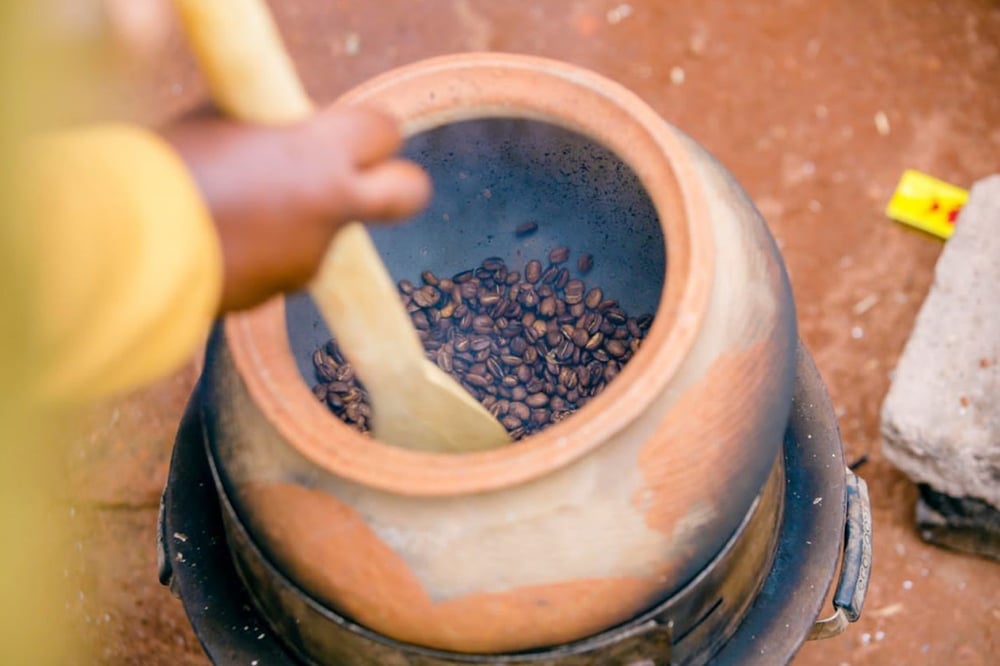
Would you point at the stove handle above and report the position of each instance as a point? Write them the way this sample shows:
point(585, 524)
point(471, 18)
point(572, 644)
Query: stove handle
point(855, 569)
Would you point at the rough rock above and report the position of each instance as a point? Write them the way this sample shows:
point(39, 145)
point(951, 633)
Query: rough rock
point(941, 418)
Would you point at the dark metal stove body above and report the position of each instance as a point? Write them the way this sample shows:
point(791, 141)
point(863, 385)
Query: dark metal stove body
point(821, 498)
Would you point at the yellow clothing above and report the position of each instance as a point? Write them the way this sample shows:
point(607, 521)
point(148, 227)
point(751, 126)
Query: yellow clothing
point(131, 268)
point(111, 273)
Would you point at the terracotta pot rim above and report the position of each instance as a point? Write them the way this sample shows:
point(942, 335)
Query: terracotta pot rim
point(504, 85)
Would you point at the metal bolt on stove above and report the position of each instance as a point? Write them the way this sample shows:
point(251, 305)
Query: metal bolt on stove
point(238, 601)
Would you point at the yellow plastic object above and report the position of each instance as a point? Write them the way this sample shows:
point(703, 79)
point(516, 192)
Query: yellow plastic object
point(926, 203)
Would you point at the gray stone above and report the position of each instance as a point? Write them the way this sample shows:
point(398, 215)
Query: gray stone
point(941, 418)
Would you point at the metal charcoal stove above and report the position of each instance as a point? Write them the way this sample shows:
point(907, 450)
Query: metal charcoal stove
point(826, 520)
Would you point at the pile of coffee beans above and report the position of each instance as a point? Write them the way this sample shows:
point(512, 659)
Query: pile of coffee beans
point(532, 347)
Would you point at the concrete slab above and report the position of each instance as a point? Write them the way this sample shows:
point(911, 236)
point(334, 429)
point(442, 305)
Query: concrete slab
point(941, 418)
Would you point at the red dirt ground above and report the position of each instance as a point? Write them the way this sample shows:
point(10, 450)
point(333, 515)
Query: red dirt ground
point(785, 93)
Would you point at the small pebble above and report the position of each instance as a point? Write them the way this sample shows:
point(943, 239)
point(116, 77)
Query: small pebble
point(352, 43)
point(619, 13)
point(882, 124)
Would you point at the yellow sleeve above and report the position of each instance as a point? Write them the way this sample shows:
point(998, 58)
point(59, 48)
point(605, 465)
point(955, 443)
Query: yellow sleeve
point(130, 268)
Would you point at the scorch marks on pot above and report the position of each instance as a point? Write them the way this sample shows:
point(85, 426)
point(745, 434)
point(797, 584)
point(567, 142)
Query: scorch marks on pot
point(721, 428)
point(349, 563)
point(538, 533)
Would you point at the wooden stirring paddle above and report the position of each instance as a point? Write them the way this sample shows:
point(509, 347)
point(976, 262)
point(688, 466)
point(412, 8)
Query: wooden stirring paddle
point(414, 403)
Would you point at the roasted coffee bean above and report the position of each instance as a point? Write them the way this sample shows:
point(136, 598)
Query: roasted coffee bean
point(526, 229)
point(477, 380)
point(559, 255)
point(469, 290)
point(524, 372)
point(616, 316)
point(532, 348)
point(326, 371)
point(480, 343)
point(493, 263)
point(535, 385)
point(488, 298)
point(520, 410)
point(518, 345)
point(594, 298)
point(633, 328)
point(533, 271)
point(537, 400)
point(585, 263)
point(610, 371)
point(482, 324)
point(420, 321)
point(426, 296)
point(510, 422)
point(574, 291)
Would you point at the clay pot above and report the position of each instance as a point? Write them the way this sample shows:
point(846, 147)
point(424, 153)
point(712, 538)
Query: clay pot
point(594, 519)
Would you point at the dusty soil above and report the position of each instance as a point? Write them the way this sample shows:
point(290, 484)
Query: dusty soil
point(785, 93)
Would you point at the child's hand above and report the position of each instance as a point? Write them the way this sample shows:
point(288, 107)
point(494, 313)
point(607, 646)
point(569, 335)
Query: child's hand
point(278, 194)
